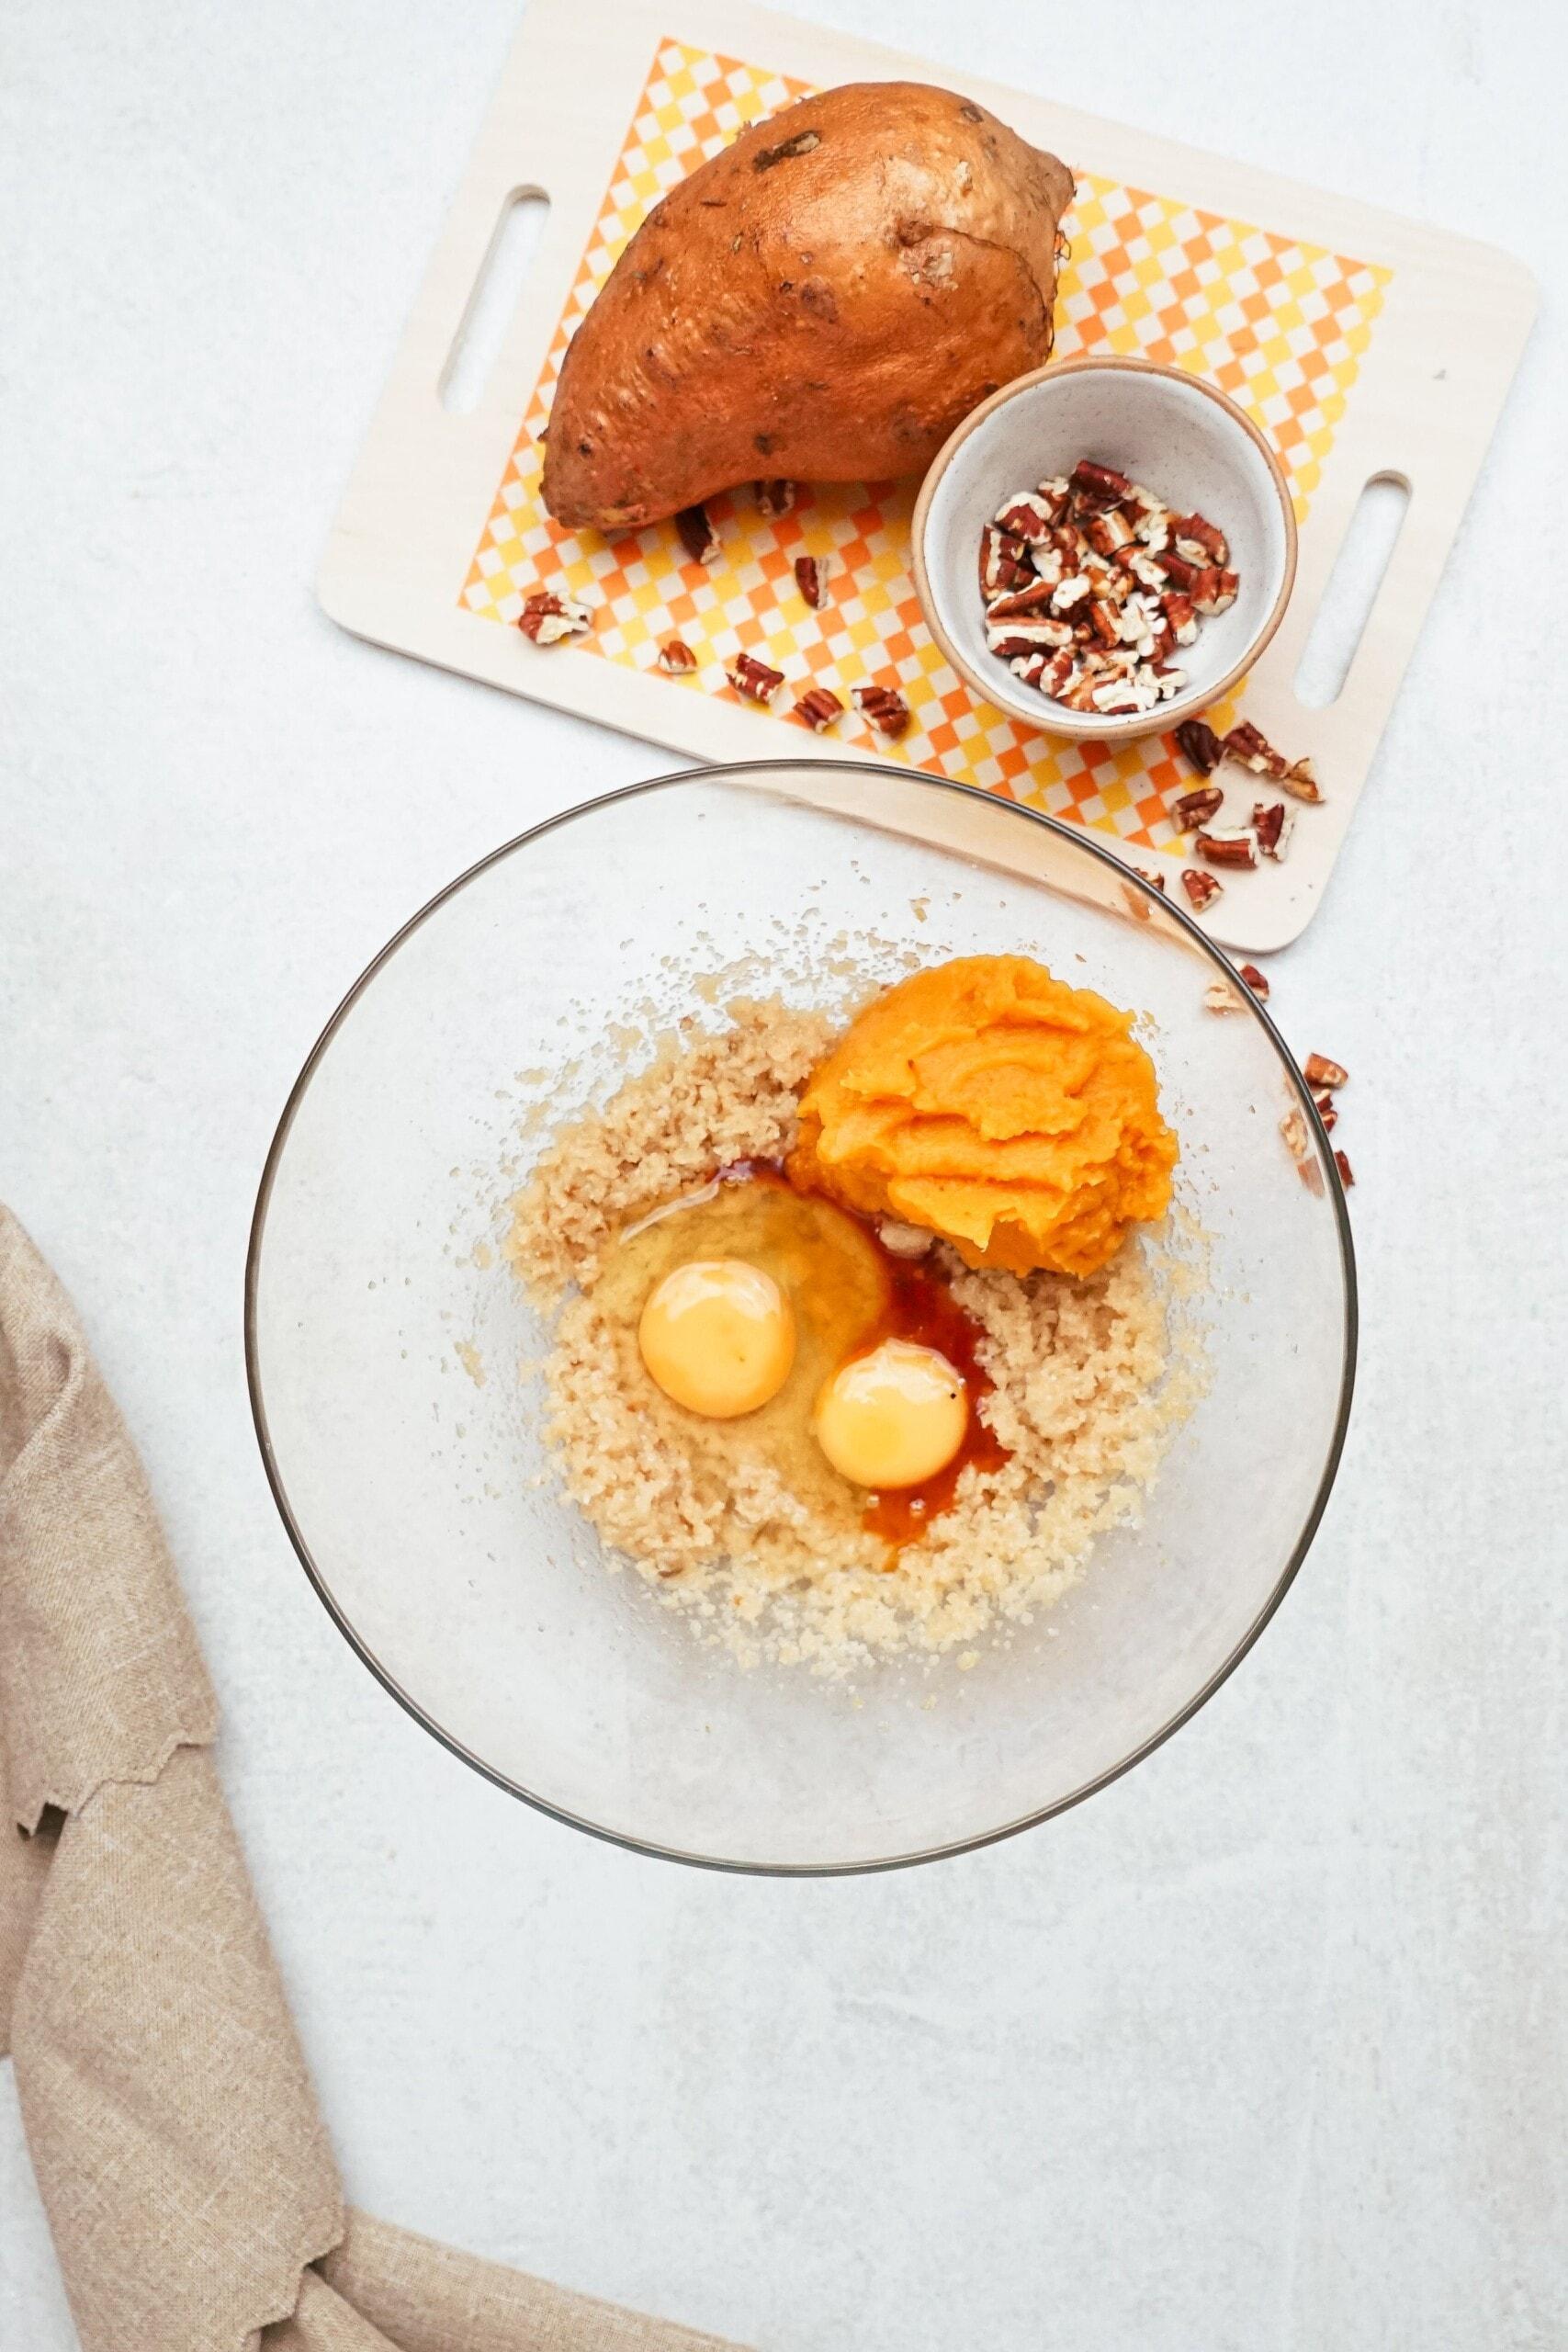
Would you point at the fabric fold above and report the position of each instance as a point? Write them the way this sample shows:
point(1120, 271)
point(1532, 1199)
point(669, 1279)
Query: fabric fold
point(168, 2111)
point(182, 2160)
point(424, 2297)
point(100, 1675)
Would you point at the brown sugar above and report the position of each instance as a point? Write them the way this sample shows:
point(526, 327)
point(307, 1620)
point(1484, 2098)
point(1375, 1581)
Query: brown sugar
point(1084, 1394)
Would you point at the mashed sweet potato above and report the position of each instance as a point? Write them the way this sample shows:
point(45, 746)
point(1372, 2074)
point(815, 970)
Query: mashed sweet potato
point(995, 1106)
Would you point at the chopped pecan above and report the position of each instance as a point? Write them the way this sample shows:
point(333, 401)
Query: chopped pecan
point(1109, 533)
point(885, 707)
point(1198, 743)
point(754, 680)
point(1141, 565)
point(547, 618)
point(1050, 563)
point(808, 578)
point(1273, 823)
point(1199, 540)
point(1347, 1175)
point(1104, 484)
point(1098, 547)
point(817, 708)
point(1252, 747)
point(1318, 1070)
point(1015, 639)
point(1034, 598)
point(1004, 563)
point(1201, 889)
point(1136, 904)
point(774, 498)
point(1116, 697)
point(1193, 809)
point(1181, 617)
point(1299, 780)
point(1294, 1127)
point(1028, 516)
point(1324, 1105)
point(1234, 845)
point(1209, 593)
point(1120, 697)
point(1220, 996)
point(677, 657)
point(697, 534)
point(1254, 981)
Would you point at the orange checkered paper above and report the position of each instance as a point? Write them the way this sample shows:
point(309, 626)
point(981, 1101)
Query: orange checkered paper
point(1281, 326)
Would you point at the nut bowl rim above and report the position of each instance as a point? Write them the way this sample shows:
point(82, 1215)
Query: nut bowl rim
point(1080, 726)
point(871, 773)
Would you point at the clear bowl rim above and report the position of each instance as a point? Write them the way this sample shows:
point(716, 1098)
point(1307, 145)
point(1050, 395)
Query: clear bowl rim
point(1079, 838)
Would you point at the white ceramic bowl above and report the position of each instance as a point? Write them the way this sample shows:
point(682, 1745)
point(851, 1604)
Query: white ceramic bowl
point(1179, 437)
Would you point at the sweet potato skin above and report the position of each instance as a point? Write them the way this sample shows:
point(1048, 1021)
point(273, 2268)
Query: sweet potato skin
point(824, 300)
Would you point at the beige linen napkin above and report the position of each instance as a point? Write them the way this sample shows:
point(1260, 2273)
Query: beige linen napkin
point(193, 2198)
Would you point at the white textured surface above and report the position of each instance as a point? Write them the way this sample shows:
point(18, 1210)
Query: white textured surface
point(1256, 2049)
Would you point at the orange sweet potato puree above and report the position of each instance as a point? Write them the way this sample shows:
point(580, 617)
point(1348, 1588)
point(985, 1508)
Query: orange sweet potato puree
point(997, 1106)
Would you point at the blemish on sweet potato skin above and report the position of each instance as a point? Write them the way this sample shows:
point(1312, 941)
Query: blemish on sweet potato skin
point(801, 145)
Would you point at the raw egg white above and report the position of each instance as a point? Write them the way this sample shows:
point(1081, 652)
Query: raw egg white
point(717, 1335)
point(894, 1416)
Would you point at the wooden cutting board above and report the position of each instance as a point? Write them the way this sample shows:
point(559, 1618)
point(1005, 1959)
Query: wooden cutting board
point(1364, 344)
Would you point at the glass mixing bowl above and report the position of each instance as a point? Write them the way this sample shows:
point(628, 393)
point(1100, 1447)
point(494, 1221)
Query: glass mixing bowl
point(385, 1333)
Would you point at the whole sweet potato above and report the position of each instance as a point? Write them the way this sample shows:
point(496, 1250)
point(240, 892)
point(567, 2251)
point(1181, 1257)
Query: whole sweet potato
point(824, 300)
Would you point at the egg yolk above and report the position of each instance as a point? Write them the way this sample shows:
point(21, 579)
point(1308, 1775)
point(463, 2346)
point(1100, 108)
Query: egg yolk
point(893, 1418)
point(718, 1337)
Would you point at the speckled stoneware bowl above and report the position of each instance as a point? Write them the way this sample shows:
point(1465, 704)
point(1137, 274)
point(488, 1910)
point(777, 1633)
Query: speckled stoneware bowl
point(1179, 437)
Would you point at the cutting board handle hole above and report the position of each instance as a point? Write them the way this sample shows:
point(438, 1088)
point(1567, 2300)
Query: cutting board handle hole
point(1365, 554)
point(493, 305)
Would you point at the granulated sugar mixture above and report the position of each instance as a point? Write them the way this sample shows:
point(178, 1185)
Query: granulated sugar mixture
point(1092, 1378)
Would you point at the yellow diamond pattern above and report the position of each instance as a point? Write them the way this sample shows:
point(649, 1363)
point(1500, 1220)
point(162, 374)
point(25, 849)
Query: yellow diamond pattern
point(1281, 326)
